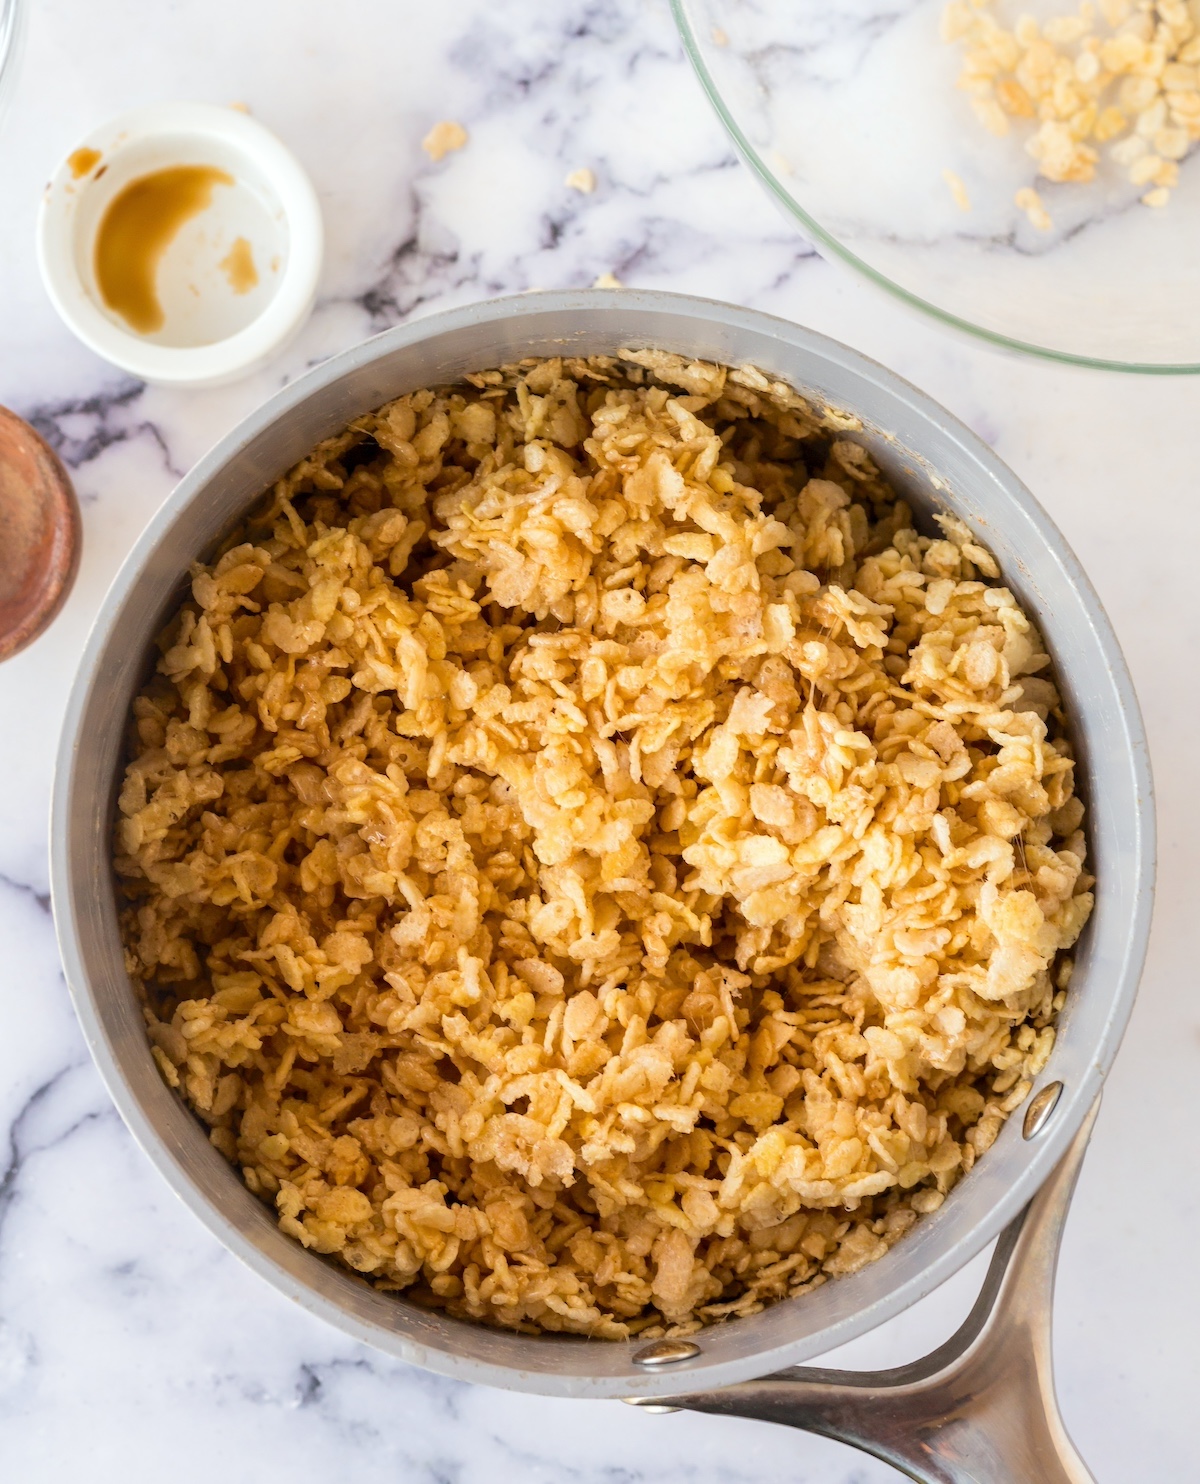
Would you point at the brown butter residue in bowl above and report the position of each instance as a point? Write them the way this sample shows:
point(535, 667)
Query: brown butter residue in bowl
point(138, 226)
point(238, 266)
point(83, 161)
point(589, 860)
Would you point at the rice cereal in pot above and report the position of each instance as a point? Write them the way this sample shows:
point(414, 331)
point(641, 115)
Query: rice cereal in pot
point(589, 860)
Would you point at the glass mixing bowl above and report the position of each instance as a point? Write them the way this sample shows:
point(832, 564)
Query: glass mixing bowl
point(849, 114)
point(11, 30)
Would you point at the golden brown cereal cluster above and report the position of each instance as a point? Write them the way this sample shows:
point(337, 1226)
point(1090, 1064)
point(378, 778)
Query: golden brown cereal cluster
point(588, 860)
point(1123, 74)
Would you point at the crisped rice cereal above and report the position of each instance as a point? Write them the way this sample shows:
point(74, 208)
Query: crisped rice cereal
point(443, 139)
point(1127, 70)
point(589, 861)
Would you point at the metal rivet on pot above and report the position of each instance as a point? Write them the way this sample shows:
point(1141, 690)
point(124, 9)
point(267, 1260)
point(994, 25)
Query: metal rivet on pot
point(1037, 1115)
point(666, 1352)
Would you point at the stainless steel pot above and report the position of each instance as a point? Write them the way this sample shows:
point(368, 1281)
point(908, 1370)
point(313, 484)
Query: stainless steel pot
point(940, 465)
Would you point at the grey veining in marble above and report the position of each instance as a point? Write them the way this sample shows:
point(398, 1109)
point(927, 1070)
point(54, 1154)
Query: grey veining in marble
point(131, 1346)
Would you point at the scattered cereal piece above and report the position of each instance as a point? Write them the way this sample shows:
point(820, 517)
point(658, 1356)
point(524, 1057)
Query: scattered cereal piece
point(1179, 79)
point(1185, 110)
point(1136, 93)
point(957, 190)
point(444, 138)
point(1152, 119)
point(1129, 149)
point(608, 281)
point(581, 180)
point(781, 162)
point(1061, 30)
point(1144, 170)
point(1027, 32)
point(1014, 100)
point(719, 37)
point(1159, 196)
point(1172, 144)
point(1031, 204)
point(1109, 124)
point(956, 21)
point(991, 115)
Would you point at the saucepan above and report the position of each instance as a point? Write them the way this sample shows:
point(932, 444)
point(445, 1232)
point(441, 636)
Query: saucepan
point(982, 1407)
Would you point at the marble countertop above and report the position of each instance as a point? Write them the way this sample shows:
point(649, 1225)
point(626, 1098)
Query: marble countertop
point(131, 1344)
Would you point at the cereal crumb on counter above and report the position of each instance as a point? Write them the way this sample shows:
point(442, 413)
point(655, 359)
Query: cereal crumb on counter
point(957, 189)
point(608, 281)
point(581, 180)
point(719, 37)
point(443, 139)
point(1028, 200)
point(590, 861)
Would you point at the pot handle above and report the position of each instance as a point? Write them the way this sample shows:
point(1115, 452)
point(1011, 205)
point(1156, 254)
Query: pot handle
point(979, 1409)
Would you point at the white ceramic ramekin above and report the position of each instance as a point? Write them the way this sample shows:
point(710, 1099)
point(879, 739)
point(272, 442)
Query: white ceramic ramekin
point(215, 338)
